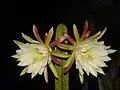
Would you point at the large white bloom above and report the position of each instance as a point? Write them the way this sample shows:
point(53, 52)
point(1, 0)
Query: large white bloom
point(90, 56)
point(34, 56)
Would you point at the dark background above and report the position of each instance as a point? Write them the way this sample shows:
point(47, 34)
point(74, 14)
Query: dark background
point(46, 14)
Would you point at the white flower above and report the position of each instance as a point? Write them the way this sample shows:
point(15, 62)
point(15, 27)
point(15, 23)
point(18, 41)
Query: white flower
point(90, 56)
point(34, 56)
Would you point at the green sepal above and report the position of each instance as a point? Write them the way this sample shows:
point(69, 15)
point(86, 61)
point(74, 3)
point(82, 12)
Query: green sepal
point(60, 54)
point(69, 60)
point(49, 37)
point(76, 34)
point(66, 47)
point(29, 39)
point(18, 43)
point(53, 69)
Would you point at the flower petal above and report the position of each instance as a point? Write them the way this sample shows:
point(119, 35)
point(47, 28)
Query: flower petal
point(46, 74)
point(24, 71)
point(76, 34)
point(29, 39)
point(49, 37)
point(53, 69)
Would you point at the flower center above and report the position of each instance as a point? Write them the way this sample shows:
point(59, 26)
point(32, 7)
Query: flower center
point(86, 56)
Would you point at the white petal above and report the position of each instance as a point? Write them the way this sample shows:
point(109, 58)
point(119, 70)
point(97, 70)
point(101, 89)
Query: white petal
point(31, 68)
point(93, 71)
point(22, 64)
point(24, 71)
point(46, 74)
point(92, 63)
point(33, 75)
point(100, 71)
point(19, 51)
point(85, 67)
point(81, 71)
point(81, 78)
point(101, 42)
point(105, 58)
point(107, 47)
point(98, 53)
point(100, 63)
point(41, 70)
point(111, 51)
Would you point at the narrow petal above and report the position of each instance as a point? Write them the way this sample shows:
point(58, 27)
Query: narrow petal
point(81, 71)
point(76, 34)
point(24, 71)
point(16, 56)
point(65, 47)
point(66, 69)
point(100, 71)
point(53, 70)
point(110, 51)
point(102, 33)
point(93, 71)
point(33, 75)
point(35, 31)
point(18, 43)
point(81, 78)
point(29, 39)
point(31, 68)
point(59, 54)
point(46, 75)
point(49, 37)
point(70, 59)
point(41, 70)
point(22, 63)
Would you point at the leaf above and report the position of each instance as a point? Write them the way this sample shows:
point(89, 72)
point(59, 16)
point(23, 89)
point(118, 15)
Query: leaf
point(29, 39)
point(59, 54)
point(53, 69)
point(49, 37)
point(65, 47)
point(76, 34)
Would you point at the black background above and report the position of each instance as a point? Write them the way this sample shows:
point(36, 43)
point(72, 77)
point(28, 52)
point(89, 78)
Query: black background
point(46, 14)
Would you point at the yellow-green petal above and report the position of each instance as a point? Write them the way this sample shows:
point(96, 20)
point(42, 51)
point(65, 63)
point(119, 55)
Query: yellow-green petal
point(53, 69)
point(76, 34)
point(24, 71)
point(69, 60)
point(66, 47)
point(15, 56)
point(49, 37)
point(18, 43)
point(29, 39)
point(59, 54)
point(46, 74)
